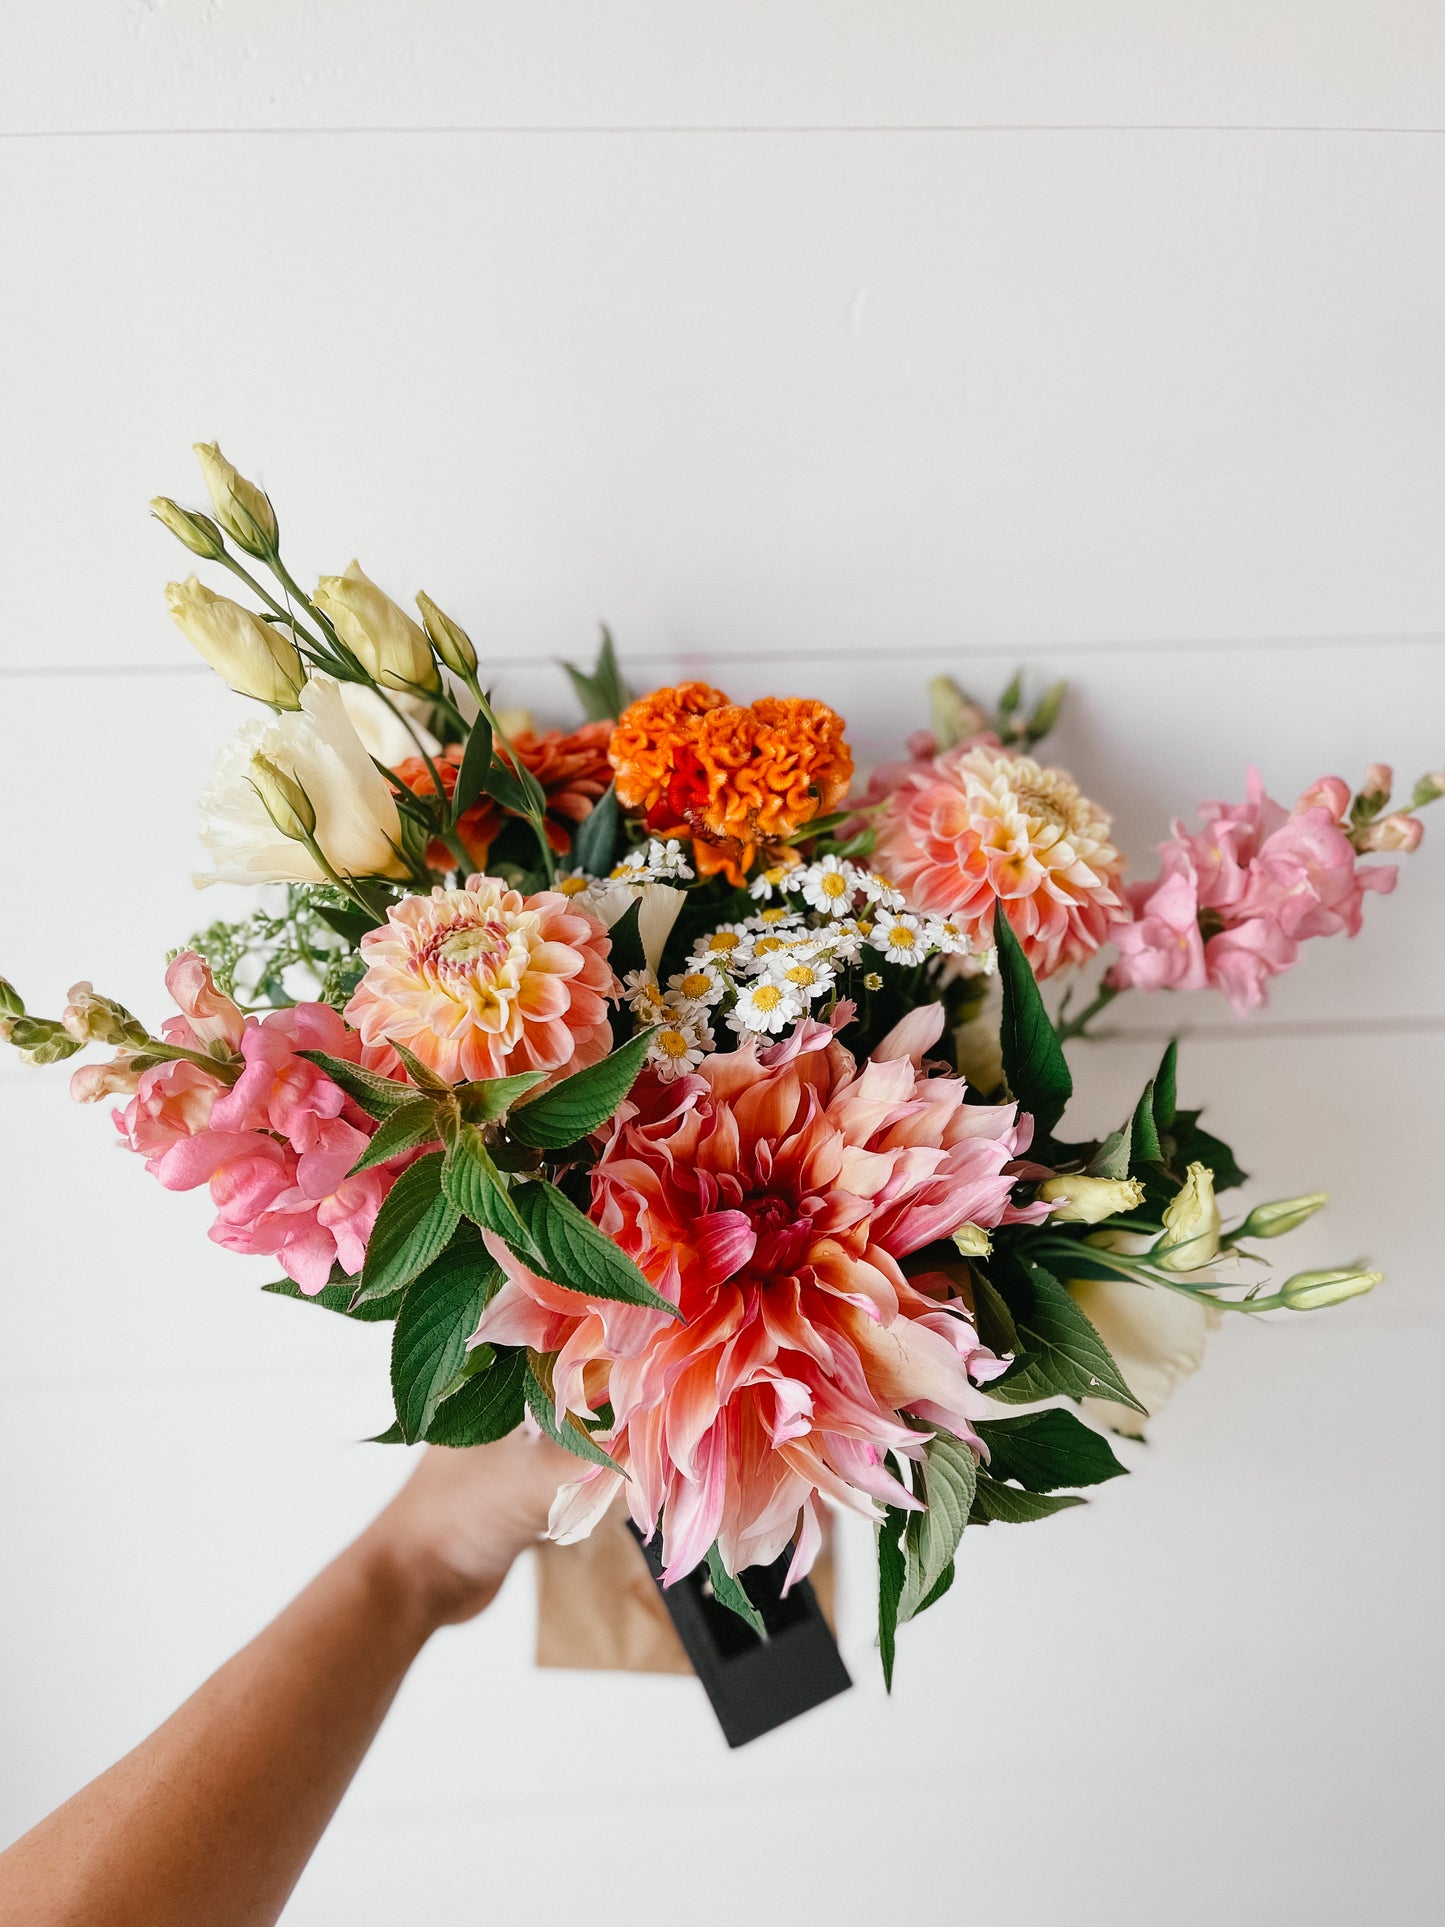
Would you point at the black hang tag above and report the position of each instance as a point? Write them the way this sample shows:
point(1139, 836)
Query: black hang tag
point(754, 1684)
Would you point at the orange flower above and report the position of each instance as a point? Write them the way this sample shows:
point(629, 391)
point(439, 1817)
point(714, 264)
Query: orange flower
point(573, 770)
point(738, 781)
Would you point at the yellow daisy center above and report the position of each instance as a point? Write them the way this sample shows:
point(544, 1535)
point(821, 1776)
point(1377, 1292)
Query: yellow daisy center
point(803, 974)
point(833, 885)
point(571, 886)
point(695, 984)
point(776, 914)
point(767, 997)
point(901, 937)
point(724, 941)
point(672, 1043)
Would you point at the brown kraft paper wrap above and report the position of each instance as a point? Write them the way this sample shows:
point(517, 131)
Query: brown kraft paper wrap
point(599, 1611)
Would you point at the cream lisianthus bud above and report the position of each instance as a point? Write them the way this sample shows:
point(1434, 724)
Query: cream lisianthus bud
point(385, 641)
point(972, 1240)
point(254, 658)
point(451, 642)
point(1085, 1200)
point(287, 804)
point(198, 532)
point(357, 826)
point(1191, 1224)
point(92, 1019)
point(1285, 1214)
point(1313, 1290)
point(243, 510)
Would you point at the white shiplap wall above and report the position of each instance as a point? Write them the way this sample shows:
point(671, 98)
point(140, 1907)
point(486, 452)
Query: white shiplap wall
point(819, 347)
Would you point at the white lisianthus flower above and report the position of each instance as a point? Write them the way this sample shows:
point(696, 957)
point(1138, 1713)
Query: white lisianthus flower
point(383, 734)
point(1154, 1335)
point(1085, 1200)
point(1191, 1223)
point(356, 818)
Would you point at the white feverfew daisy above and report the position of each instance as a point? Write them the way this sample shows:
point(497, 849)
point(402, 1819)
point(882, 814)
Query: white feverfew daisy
point(877, 889)
point(804, 979)
point(677, 1049)
point(782, 916)
point(644, 996)
point(946, 937)
point(730, 944)
point(697, 989)
point(770, 883)
point(765, 1006)
point(830, 886)
point(900, 937)
point(847, 938)
point(769, 949)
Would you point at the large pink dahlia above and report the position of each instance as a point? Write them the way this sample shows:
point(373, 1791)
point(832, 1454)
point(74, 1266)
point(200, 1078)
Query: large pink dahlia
point(979, 825)
point(773, 1197)
point(483, 982)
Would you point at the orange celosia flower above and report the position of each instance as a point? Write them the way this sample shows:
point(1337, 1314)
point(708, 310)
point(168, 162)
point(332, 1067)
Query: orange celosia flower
point(572, 768)
point(738, 780)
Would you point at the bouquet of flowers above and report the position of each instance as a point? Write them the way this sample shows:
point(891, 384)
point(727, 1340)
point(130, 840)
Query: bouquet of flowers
point(671, 1089)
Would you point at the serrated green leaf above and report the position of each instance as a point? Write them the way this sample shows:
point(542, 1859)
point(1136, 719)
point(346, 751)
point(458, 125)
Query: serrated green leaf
point(422, 1075)
point(378, 1096)
point(1144, 1133)
point(945, 1580)
point(594, 841)
point(1111, 1160)
point(337, 1297)
point(996, 1503)
point(571, 1435)
point(891, 1573)
point(573, 1109)
point(1033, 1058)
point(479, 1191)
point(1062, 1351)
point(438, 1315)
point(1047, 1450)
point(931, 1537)
point(485, 1408)
point(576, 1255)
point(391, 1436)
point(476, 761)
point(603, 695)
point(489, 1099)
point(413, 1227)
point(991, 1316)
point(406, 1128)
point(1166, 1090)
point(728, 1591)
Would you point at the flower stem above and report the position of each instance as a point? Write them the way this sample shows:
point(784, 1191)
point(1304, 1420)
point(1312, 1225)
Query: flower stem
point(1078, 1026)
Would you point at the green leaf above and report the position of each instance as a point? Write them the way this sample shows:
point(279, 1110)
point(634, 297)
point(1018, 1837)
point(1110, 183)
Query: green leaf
point(489, 1099)
point(1111, 1160)
point(891, 1572)
point(931, 1537)
point(353, 925)
point(1144, 1133)
point(1062, 1351)
point(472, 776)
point(338, 1296)
point(516, 789)
point(1166, 1089)
point(627, 951)
point(594, 841)
point(404, 1130)
point(576, 1255)
point(603, 695)
point(1033, 1058)
point(573, 1436)
point(996, 1503)
point(485, 1408)
point(991, 1316)
point(478, 1190)
point(945, 1580)
point(422, 1075)
point(378, 1096)
point(391, 1436)
point(1046, 1450)
point(573, 1109)
point(728, 1591)
point(1193, 1146)
point(438, 1315)
point(414, 1226)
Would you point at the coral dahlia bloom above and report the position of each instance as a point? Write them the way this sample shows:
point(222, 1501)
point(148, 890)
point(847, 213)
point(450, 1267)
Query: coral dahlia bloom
point(977, 826)
point(773, 1196)
point(738, 780)
point(484, 982)
point(571, 767)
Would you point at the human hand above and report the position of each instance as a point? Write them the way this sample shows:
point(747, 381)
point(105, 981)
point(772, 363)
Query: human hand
point(455, 1527)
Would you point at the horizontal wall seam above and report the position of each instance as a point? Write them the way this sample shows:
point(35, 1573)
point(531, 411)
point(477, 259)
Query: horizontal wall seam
point(726, 130)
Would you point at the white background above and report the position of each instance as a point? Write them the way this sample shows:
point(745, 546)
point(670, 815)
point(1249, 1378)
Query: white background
point(818, 348)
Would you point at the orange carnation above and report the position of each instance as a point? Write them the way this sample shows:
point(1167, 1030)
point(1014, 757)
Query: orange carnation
point(738, 781)
point(573, 770)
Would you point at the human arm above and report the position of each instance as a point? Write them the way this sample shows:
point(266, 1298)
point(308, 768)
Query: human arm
point(213, 1817)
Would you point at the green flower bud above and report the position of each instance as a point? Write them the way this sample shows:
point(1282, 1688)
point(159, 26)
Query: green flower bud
point(1285, 1214)
point(11, 1003)
point(198, 532)
point(954, 716)
point(1428, 789)
point(451, 642)
point(1312, 1290)
point(92, 1019)
point(243, 510)
point(287, 804)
